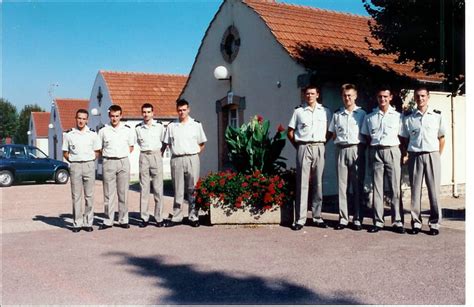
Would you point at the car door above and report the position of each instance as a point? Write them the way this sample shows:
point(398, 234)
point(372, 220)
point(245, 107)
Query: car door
point(42, 167)
point(18, 159)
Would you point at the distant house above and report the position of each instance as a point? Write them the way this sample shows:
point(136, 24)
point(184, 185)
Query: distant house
point(38, 130)
point(271, 51)
point(131, 90)
point(62, 118)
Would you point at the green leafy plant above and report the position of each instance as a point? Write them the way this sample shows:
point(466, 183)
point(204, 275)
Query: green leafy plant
point(251, 148)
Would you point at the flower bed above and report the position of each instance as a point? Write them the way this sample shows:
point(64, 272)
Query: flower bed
point(255, 194)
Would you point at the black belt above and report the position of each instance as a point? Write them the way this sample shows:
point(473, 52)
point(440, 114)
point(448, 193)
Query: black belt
point(179, 156)
point(347, 145)
point(149, 152)
point(417, 153)
point(383, 147)
point(82, 161)
point(114, 158)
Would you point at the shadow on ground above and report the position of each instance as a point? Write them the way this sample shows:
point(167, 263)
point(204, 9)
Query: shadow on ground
point(186, 285)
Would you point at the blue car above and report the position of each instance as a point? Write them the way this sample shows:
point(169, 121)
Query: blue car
point(28, 163)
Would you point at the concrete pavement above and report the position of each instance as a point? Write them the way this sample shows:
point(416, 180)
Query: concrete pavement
point(45, 263)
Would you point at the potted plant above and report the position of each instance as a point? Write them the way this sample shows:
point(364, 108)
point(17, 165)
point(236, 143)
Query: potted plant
point(255, 190)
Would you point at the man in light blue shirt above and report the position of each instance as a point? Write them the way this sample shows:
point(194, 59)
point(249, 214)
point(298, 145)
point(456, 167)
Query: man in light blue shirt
point(308, 132)
point(350, 155)
point(382, 128)
point(424, 130)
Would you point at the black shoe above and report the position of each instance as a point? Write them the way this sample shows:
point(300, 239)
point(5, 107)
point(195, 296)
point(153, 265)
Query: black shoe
point(339, 227)
point(194, 223)
point(124, 226)
point(320, 225)
point(76, 229)
point(399, 229)
point(297, 227)
point(142, 224)
point(415, 231)
point(88, 229)
point(103, 227)
point(160, 224)
point(374, 229)
point(169, 223)
point(357, 227)
point(433, 232)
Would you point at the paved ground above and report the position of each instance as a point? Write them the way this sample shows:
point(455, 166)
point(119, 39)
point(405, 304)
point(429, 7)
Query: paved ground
point(45, 263)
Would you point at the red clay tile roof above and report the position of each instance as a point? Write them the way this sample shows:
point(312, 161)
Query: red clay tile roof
point(293, 25)
point(67, 108)
point(132, 90)
point(41, 122)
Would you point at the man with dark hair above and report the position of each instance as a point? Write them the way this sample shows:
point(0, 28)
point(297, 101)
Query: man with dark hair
point(345, 127)
point(81, 147)
point(424, 129)
point(117, 140)
point(186, 139)
point(382, 128)
point(308, 132)
point(150, 134)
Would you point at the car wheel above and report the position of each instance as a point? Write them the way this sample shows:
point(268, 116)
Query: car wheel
point(6, 178)
point(62, 176)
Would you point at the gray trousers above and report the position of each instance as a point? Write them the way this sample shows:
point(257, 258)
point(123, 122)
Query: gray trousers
point(116, 183)
point(309, 165)
point(350, 172)
point(425, 165)
point(82, 180)
point(185, 175)
point(386, 163)
point(151, 171)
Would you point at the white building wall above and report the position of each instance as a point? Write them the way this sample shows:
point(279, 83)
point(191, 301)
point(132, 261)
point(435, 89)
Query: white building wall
point(55, 131)
point(32, 131)
point(43, 144)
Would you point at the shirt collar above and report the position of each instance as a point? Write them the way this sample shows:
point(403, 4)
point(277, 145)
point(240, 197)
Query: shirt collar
point(316, 106)
point(356, 109)
point(390, 110)
point(86, 129)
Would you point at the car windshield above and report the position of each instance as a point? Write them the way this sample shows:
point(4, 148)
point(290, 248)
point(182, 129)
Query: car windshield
point(35, 153)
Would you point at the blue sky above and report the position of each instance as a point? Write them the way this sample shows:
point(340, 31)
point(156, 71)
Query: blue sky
point(69, 42)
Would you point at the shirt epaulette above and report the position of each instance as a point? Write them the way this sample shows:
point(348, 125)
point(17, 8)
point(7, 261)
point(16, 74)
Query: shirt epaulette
point(159, 122)
point(299, 106)
point(68, 130)
point(100, 127)
point(138, 125)
point(339, 109)
point(197, 121)
point(437, 111)
point(127, 126)
point(91, 130)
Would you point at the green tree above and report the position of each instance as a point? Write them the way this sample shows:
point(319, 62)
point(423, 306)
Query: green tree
point(8, 119)
point(430, 33)
point(24, 121)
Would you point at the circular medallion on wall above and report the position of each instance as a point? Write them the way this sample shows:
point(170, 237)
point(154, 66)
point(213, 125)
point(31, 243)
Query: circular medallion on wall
point(230, 44)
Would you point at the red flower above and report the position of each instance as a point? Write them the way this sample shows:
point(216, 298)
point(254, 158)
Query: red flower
point(222, 182)
point(281, 128)
point(267, 198)
point(212, 184)
point(244, 184)
point(260, 119)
